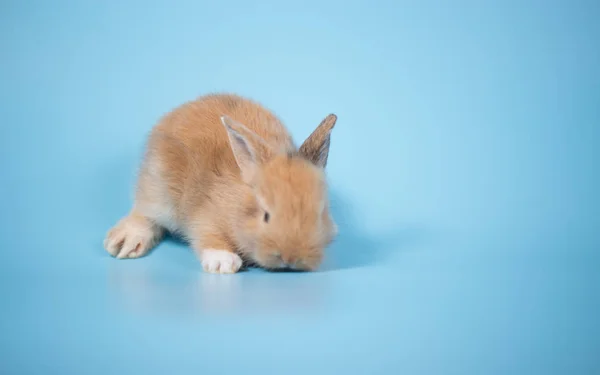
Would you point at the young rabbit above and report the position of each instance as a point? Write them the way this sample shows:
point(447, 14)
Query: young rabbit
point(223, 172)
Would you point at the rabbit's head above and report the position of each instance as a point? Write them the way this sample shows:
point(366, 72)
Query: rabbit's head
point(284, 220)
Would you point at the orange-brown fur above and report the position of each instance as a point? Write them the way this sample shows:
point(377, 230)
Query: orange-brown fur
point(197, 180)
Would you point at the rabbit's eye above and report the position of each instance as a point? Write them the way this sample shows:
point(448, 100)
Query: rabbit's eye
point(266, 217)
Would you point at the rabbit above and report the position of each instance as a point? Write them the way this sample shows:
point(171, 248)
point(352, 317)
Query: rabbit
point(223, 172)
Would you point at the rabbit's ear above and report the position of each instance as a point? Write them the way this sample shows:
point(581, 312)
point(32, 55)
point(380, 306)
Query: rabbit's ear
point(243, 143)
point(316, 147)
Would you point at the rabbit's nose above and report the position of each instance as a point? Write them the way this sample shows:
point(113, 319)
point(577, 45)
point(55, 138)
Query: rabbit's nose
point(288, 262)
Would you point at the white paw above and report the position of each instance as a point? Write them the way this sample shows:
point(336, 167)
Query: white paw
point(220, 261)
point(132, 237)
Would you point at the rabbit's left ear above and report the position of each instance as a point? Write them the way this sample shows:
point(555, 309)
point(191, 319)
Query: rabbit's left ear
point(316, 147)
point(246, 147)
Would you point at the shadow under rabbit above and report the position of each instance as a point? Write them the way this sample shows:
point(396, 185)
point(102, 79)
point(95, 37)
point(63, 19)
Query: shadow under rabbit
point(354, 247)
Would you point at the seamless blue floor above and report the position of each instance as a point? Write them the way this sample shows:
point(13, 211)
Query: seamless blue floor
point(463, 170)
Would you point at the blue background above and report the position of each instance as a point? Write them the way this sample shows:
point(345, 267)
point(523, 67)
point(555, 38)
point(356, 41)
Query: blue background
point(463, 168)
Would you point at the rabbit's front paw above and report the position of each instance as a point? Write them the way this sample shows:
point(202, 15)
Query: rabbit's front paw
point(220, 261)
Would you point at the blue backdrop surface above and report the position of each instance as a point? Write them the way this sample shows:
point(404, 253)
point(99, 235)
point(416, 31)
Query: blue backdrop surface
point(463, 169)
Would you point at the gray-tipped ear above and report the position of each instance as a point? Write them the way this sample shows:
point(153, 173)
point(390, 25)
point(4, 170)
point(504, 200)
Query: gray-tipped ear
point(243, 150)
point(316, 147)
